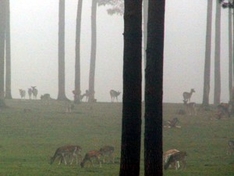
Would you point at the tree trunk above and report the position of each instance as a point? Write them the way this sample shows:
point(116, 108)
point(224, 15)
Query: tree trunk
point(132, 77)
point(145, 15)
point(2, 49)
point(230, 51)
point(8, 52)
point(206, 86)
point(61, 52)
point(77, 59)
point(93, 51)
point(217, 74)
point(154, 89)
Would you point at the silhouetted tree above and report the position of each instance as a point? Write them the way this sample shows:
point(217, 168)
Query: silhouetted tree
point(93, 51)
point(2, 48)
point(217, 74)
point(154, 88)
point(77, 59)
point(8, 52)
point(61, 52)
point(131, 112)
point(206, 86)
point(145, 15)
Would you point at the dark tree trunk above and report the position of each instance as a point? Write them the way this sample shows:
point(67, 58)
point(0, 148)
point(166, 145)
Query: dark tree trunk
point(145, 15)
point(8, 52)
point(2, 49)
point(61, 52)
point(132, 77)
point(206, 86)
point(154, 89)
point(77, 59)
point(217, 74)
point(93, 52)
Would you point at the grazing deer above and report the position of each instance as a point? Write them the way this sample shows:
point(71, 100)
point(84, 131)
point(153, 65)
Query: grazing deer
point(114, 95)
point(230, 150)
point(107, 152)
point(94, 154)
point(166, 156)
point(190, 107)
point(223, 110)
point(73, 151)
point(178, 157)
point(29, 93)
point(187, 95)
point(22, 93)
point(34, 92)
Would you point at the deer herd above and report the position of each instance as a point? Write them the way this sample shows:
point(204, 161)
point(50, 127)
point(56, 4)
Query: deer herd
point(67, 154)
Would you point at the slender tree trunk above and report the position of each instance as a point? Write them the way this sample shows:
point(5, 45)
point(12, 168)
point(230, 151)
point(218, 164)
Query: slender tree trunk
point(217, 74)
point(2, 49)
point(77, 59)
point(154, 89)
point(206, 86)
point(8, 52)
point(93, 51)
point(132, 77)
point(230, 52)
point(61, 52)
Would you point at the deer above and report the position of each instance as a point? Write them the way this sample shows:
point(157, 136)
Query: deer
point(190, 107)
point(114, 95)
point(187, 95)
point(171, 123)
point(22, 93)
point(223, 110)
point(29, 93)
point(107, 152)
point(71, 151)
point(230, 150)
point(93, 154)
point(34, 92)
point(166, 156)
point(177, 157)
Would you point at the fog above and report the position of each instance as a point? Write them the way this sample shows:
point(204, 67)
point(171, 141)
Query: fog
point(34, 39)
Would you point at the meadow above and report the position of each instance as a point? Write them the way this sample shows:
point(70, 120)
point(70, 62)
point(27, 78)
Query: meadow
point(29, 139)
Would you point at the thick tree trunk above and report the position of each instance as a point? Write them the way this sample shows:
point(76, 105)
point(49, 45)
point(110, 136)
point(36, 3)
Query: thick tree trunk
point(154, 89)
point(132, 77)
point(206, 86)
point(2, 49)
point(77, 59)
point(93, 52)
point(8, 52)
point(61, 52)
point(217, 74)
point(145, 15)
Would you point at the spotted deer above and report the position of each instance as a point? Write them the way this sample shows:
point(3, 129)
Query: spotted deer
point(34, 92)
point(71, 151)
point(93, 154)
point(166, 156)
point(187, 95)
point(114, 95)
point(190, 107)
point(107, 153)
point(178, 157)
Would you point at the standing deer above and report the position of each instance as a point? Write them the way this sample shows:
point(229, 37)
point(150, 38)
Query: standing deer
point(167, 155)
point(190, 107)
point(67, 151)
point(22, 93)
point(178, 157)
point(29, 93)
point(187, 95)
point(114, 95)
point(34, 92)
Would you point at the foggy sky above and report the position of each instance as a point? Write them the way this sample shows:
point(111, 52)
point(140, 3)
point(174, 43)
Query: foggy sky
point(34, 37)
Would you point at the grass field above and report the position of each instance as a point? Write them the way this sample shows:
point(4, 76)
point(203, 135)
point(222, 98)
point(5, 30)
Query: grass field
point(29, 139)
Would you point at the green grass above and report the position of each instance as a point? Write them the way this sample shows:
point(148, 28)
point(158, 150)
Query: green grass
point(28, 140)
